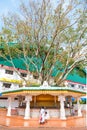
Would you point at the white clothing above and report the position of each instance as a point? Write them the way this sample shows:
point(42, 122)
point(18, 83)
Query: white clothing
point(42, 119)
point(42, 116)
point(42, 111)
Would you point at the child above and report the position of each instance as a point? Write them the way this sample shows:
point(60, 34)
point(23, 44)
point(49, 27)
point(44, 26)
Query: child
point(46, 116)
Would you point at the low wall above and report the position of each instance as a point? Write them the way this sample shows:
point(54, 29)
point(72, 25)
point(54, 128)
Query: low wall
point(34, 113)
point(4, 103)
point(83, 107)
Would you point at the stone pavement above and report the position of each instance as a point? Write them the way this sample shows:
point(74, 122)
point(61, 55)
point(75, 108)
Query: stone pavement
point(41, 128)
point(15, 123)
point(18, 123)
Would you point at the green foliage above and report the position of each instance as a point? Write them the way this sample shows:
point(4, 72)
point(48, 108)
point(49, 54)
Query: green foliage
point(83, 101)
point(51, 34)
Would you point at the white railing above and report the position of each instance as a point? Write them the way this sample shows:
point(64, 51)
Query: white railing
point(77, 87)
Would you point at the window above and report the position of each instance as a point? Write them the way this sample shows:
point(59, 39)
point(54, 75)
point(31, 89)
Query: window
point(9, 72)
point(81, 87)
point(35, 76)
point(23, 75)
point(71, 85)
point(6, 85)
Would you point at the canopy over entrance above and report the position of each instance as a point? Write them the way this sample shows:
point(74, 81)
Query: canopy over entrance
point(44, 90)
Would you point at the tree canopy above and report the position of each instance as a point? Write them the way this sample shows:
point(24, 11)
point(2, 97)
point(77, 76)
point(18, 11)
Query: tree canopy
point(47, 35)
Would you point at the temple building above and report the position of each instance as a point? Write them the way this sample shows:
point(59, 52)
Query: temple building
point(26, 101)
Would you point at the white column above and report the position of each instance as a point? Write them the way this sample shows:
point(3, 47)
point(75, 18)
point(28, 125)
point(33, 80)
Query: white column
point(27, 109)
point(9, 107)
point(79, 107)
point(62, 109)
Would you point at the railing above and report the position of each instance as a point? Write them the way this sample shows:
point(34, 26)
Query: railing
point(77, 86)
point(43, 88)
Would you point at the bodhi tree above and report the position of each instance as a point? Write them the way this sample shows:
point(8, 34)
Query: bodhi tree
point(48, 36)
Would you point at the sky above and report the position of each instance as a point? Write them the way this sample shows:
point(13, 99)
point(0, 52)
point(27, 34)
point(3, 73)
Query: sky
point(12, 6)
point(8, 6)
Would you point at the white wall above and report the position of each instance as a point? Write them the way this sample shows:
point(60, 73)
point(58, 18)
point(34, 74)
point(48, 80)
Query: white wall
point(4, 75)
point(2, 72)
point(4, 103)
point(83, 106)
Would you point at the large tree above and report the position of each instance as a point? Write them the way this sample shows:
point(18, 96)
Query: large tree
point(50, 36)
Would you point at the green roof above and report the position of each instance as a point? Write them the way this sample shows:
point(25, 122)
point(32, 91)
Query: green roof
point(49, 88)
point(76, 78)
point(20, 63)
point(2, 44)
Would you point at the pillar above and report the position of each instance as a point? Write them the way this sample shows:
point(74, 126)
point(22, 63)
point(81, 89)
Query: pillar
point(62, 109)
point(79, 107)
point(55, 101)
point(9, 107)
point(34, 101)
point(27, 109)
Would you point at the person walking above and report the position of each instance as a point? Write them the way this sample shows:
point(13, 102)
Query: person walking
point(46, 116)
point(42, 116)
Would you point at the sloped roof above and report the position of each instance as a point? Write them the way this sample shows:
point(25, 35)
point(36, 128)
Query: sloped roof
point(40, 90)
point(19, 63)
point(76, 78)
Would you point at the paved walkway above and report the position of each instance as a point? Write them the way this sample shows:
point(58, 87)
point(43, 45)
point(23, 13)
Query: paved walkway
point(15, 121)
point(18, 123)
